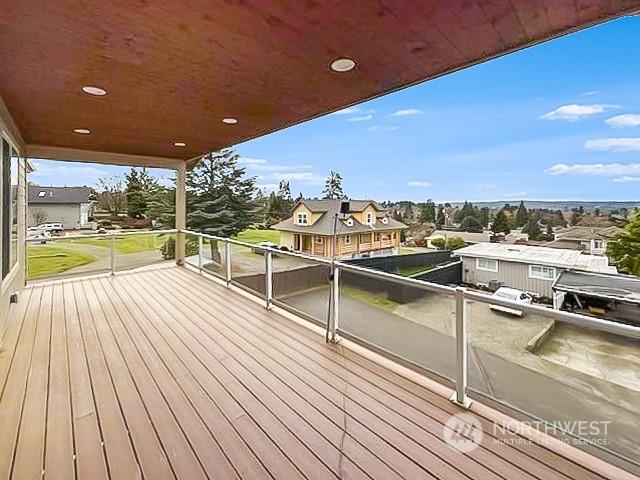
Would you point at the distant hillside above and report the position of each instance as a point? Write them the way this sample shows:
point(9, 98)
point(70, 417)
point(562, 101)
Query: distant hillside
point(604, 206)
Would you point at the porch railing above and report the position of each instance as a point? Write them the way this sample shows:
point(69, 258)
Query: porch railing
point(451, 346)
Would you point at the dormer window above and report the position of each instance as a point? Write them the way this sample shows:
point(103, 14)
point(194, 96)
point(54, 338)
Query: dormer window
point(385, 220)
point(369, 218)
point(41, 194)
point(302, 219)
point(349, 222)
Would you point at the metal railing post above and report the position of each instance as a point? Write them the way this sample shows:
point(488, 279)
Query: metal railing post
point(334, 316)
point(460, 395)
point(268, 271)
point(200, 245)
point(112, 250)
point(227, 256)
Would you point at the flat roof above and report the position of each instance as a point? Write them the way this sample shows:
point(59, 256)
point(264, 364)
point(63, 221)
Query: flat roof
point(611, 287)
point(173, 70)
point(555, 257)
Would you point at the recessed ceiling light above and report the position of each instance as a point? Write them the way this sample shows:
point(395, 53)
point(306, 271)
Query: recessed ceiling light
point(82, 131)
point(96, 91)
point(342, 65)
point(230, 120)
point(179, 144)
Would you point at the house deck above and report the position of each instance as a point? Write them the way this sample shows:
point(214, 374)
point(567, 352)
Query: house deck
point(163, 373)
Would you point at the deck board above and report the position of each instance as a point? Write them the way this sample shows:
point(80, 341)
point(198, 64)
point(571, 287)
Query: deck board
point(163, 373)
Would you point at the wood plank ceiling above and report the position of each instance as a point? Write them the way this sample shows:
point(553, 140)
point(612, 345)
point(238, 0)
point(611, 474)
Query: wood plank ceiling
point(174, 69)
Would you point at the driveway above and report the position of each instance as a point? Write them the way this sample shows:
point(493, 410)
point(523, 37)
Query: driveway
point(545, 389)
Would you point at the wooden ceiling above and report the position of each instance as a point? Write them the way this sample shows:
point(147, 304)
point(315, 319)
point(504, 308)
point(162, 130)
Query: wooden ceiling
point(173, 69)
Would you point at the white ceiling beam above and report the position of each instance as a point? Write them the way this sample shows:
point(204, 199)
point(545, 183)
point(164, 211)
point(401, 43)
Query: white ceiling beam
point(92, 156)
point(9, 129)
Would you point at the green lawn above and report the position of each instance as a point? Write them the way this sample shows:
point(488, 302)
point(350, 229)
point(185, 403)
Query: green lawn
point(126, 244)
point(47, 261)
point(407, 272)
point(375, 299)
point(253, 235)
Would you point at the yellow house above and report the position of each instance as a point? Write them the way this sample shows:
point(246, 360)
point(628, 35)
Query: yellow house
point(366, 229)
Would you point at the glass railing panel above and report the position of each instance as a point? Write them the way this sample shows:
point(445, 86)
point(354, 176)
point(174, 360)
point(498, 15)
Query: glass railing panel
point(572, 381)
point(214, 257)
point(140, 250)
point(301, 285)
point(191, 250)
point(404, 321)
point(63, 256)
point(248, 268)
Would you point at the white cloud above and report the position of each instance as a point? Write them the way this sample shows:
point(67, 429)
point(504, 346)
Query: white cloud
point(616, 144)
point(67, 171)
point(346, 111)
point(378, 183)
point(268, 187)
point(251, 161)
point(626, 179)
point(406, 111)
point(602, 169)
point(590, 93)
point(419, 184)
point(279, 167)
point(306, 178)
point(576, 112)
point(362, 118)
point(382, 128)
point(626, 120)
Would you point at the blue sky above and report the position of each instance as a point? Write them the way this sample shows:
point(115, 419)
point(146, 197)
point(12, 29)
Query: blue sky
point(556, 121)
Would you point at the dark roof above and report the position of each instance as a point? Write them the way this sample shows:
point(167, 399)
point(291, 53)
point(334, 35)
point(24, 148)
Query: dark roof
point(48, 195)
point(611, 287)
point(328, 209)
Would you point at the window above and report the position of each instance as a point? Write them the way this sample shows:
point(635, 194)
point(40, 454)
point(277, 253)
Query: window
point(598, 243)
point(41, 194)
point(302, 219)
point(347, 239)
point(319, 240)
point(487, 264)
point(376, 237)
point(385, 220)
point(9, 213)
point(394, 235)
point(542, 272)
point(365, 238)
point(369, 218)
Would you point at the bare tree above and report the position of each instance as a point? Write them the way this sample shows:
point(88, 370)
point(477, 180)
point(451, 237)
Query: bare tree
point(39, 216)
point(111, 195)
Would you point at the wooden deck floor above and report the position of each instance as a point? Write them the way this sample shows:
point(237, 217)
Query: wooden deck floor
point(166, 374)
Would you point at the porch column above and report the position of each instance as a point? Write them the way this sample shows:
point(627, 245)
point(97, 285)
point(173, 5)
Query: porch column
point(181, 212)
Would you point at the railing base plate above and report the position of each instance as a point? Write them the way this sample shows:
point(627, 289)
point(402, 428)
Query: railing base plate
point(465, 404)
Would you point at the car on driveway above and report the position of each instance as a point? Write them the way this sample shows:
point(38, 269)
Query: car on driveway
point(513, 295)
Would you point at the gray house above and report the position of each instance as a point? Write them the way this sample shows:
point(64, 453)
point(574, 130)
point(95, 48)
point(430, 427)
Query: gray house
point(70, 206)
point(529, 268)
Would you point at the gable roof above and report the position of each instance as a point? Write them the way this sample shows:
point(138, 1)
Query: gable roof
point(52, 195)
point(587, 233)
point(329, 208)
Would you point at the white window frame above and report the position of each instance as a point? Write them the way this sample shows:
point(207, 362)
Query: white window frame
point(349, 222)
point(369, 218)
point(347, 239)
point(542, 277)
point(485, 268)
point(596, 246)
point(318, 240)
point(302, 218)
point(376, 234)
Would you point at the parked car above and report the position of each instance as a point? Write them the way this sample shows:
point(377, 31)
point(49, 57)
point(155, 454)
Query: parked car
point(52, 228)
point(37, 233)
point(265, 245)
point(513, 295)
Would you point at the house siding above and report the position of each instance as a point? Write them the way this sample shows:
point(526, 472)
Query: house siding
point(66, 214)
point(510, 274)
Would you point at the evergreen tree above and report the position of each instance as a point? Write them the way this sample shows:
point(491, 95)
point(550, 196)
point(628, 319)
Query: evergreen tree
point(625, 250)
point(522, 215)
point(440, 217)
point(484, 217)
point(428, 212)
point(140, 185)
point(333, 186)
point(501, 223)
point(532, 229)
point(471, 224)
point(467, 210)
point(220, 199)
point(161, 207)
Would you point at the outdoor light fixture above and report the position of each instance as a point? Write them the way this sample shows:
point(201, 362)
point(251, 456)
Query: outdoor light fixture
point(342, 65)
point(179, 144)
point(82, 131)
point(230, 120)
point(95, 91)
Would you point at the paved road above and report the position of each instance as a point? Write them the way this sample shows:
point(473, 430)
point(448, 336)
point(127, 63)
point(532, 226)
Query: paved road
point(581, 397)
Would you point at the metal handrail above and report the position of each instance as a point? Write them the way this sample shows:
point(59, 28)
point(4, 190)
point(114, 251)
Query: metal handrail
point(103, 235)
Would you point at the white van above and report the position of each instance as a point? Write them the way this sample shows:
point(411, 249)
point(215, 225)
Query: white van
point(513, 295)
point(49, 227)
